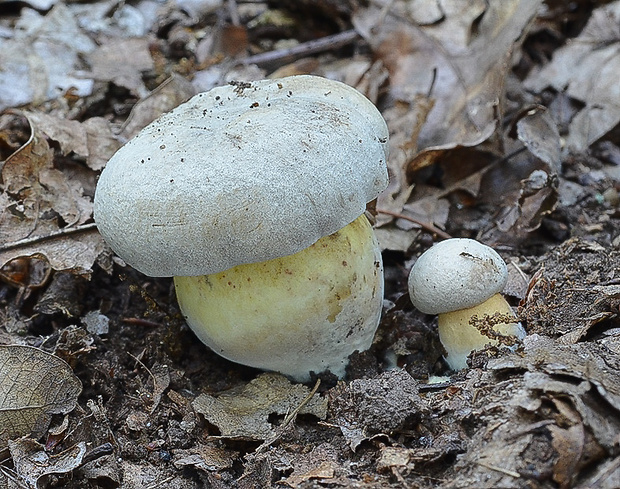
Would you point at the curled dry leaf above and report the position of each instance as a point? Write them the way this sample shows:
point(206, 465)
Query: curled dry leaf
point(92, 139)
point(35, 200)
point(41, 61)
point(594, 82)
point(524, 202)
point(244, 412)
point(32, 461)
point(537, 198)
point(540, 134)
point(34, 385)
point(461, 61)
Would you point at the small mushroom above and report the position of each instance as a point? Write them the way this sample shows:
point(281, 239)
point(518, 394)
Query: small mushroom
point(252, 196)
point(461, 280)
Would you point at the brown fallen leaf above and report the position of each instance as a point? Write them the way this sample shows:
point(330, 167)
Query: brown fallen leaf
point(44, 212)
point(122, 62)
point(32, 461)
point(244, 412)
point(586, 69)
point(461, 60)
point(34, 385)
point(92, 139)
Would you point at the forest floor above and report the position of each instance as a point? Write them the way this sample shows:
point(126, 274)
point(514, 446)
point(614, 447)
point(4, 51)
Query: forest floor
point(503, 120)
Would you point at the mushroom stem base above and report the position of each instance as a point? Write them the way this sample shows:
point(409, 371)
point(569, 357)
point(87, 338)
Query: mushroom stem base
point(296, 314)
point(459, 337)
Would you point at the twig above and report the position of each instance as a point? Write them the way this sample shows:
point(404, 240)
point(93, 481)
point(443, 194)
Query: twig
point(144, 366)
point(292, 415)
point(314, 46)
point(12, 475)
point(501, 470)
point(426, 225)
point(98, 452)
point(141, 322)
point(159, 483)
point(38, 239)
point(233, 12)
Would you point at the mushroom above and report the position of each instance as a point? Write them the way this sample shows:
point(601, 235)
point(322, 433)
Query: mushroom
point(460, 280)
point(252, 196)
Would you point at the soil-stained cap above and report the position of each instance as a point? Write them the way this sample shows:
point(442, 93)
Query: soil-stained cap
point(241, 174)
point(456, 274)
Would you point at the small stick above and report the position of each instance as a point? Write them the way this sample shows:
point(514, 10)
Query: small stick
point(38, 239)
point(501, 470)
point(314, 46)
point(289, 418)
point(426, 225)
point(140, 322)
point(234, 13)
point(98, 452)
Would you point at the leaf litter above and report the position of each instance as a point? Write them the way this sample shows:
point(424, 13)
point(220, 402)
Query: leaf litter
point(34, 385)
point(494, 135)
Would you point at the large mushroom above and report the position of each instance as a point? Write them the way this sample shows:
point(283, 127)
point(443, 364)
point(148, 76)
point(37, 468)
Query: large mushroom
point(252, 196)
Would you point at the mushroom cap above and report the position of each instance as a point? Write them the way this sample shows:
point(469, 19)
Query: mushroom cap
point(241, 174)
point(456, 274)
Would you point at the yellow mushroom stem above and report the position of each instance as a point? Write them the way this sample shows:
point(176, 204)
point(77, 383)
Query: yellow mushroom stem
point(299, 313)
point(460, 337)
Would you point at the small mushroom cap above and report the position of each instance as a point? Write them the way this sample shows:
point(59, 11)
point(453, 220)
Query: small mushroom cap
point(241, 174)
point(456, 274)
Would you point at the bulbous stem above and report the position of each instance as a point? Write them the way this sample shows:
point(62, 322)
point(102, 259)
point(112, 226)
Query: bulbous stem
point(460, 337)
point(300, 313)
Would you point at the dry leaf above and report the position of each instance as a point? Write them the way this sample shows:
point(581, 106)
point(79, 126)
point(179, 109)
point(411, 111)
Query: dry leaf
point(461, 61)
point(584, 373)
point(538, 197)
point(35, 200)
point(586, 68)
point(538, 131)
point(122, 62)
point(174, 91)
point(32, 461)
point(320, 463)
point(447, 83)
point(40, 62)
point(92, 139)
point(244, 412)
point(205, 457)
point(33, 386)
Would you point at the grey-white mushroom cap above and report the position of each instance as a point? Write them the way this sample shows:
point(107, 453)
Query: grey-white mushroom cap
point(456, 274)
point(241, 174)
